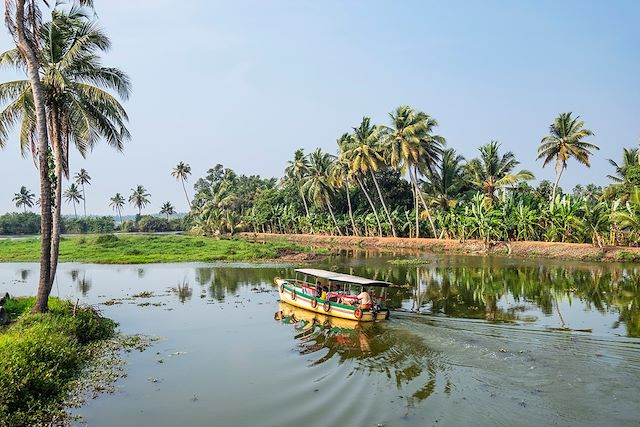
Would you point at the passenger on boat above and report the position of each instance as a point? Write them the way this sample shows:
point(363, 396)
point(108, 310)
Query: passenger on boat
point(325, 290)
point(318, 289)
point(365, 299)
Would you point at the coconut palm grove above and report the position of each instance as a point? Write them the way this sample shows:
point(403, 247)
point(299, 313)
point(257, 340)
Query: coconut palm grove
point(385, 252)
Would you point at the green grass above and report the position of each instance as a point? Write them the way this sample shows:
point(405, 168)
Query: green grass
point(41, 356)
point(124, 249)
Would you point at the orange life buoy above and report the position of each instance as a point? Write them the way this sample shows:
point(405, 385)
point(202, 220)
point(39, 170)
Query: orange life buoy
point(314, 303)
point(358, 313)
point(326, 306)
point(275, 280)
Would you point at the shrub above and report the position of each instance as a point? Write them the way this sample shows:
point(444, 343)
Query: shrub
point(108, 240)
point(151, 224)
point(19, 223)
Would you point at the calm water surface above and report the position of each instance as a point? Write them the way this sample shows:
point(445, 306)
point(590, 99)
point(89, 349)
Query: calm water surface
point(483, 341)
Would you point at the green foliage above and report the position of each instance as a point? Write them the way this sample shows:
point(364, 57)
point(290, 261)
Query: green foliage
point(19, 223)
point(41, 355)
point(90, 225)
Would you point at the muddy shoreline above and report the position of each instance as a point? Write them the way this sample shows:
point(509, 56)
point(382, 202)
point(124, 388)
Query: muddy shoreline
point(529, 249)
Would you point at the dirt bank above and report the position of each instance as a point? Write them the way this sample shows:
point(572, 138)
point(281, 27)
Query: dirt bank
point(557, 250)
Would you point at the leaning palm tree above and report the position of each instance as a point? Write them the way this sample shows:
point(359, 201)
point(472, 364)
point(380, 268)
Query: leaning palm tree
point(82, 178)
point(317, 186)
point(365, 155)
point(139, 198)
point(74, 196)
point(117, 203)
point(181, 172)
point(24, 198)
point(167, 209)
point(410, 146)
point(565, 142)
point(298, 170)
point(492, 171)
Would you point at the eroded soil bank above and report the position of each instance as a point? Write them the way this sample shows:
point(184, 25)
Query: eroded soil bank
point(556, 250)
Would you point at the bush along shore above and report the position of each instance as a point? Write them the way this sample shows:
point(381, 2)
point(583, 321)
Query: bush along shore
point(521, 249)
point(140, 249)
point(42, 357)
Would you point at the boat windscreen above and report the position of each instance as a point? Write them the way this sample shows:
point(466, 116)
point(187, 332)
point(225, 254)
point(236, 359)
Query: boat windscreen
point(344, 278)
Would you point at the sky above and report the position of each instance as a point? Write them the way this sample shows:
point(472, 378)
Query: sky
point(245, 83)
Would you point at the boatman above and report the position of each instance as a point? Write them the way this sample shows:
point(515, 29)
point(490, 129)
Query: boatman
point(365, 299)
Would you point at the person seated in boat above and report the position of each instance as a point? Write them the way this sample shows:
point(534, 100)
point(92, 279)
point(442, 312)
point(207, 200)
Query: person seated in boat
point(318, 289)
point(365, 299)
point(323, 295)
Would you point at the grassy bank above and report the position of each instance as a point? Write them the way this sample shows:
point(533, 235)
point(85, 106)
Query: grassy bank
point(41, 356)
point(520, 249)
point(140, 249)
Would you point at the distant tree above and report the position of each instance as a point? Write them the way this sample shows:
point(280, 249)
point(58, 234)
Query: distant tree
point(181, 172)
point(74, 196)
point(24, 198)
point(565, 142)
point(167, 209)
point(139, 198)
point(298, 170)
point(117, 203)
point(83, 178)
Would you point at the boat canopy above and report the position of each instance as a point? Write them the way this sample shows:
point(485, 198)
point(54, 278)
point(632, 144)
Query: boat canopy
point(344, 278)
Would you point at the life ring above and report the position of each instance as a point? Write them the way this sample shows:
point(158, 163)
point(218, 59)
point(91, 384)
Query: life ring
point(326, 306)
point(275, 280)
point(293, 294)
point(314, 303)
point(358, 313)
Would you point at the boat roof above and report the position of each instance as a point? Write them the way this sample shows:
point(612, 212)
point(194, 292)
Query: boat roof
point(339, 277)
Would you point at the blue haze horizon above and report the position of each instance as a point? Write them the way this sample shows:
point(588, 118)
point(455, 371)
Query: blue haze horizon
point(246, 83)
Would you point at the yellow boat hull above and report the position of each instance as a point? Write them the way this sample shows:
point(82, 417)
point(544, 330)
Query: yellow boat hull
point(294, 295)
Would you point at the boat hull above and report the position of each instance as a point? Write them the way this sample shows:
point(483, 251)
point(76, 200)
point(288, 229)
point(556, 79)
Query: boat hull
point(306, 301)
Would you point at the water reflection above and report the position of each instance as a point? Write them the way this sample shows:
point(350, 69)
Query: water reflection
point(400, 356)
point(183, 291)
point(83, 283)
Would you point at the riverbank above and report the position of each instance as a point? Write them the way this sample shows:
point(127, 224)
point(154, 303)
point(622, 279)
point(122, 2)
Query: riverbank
point(554, 250)
point(144, 249)
point(42, 356)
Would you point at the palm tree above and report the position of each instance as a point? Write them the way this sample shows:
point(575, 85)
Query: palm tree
point(117, 203)
point(492, 171)
point(409, 144)
point(565, 141)
point(74, 196)
point(447, 179)
point(318, 184)
point(364, 154)
point(83, 178)
point(298, 171)
point(139, 198)
point(630, 158)
point(79, 109)
point(167, 209)
point(181, 172)
point(24, 198)
point(340, 174)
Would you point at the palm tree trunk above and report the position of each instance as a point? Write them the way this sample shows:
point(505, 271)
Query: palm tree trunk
point(559, 169)
point(120, 216)
point(373, 208)
point(424, 204)
point(353, 223)
point(56, 139)
point(186, 195)
point(333, 218)
point(417, 207)
point(75, 212)
point(84, 201)
point(28, 52)
point(306, 209)
point(384, 205)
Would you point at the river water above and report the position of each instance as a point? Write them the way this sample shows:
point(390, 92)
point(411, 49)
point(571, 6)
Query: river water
point(472, 340)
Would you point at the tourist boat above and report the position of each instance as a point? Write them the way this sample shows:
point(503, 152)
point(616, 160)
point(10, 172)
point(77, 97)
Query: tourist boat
point(329, 294)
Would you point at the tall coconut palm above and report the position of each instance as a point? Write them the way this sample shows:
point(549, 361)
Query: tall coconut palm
point(80, 111)
point(447, 179)
point(139, 198)
point(82, 178)
point(411, 146)
point(117, 203)
point(565, 142)
point(181, 172)
point(317, 186)
point(492, 171)
point(74, 196)
point(341, 174)
point(167, 209)
point(24, 198)
point(630, 157)
point(365, 155)
point(298, 170)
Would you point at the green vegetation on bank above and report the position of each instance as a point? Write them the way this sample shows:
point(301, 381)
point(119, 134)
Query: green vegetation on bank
point(136, 249)
point(40, 357)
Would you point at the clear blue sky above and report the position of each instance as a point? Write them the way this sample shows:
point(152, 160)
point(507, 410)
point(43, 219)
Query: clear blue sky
point(245, 83)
